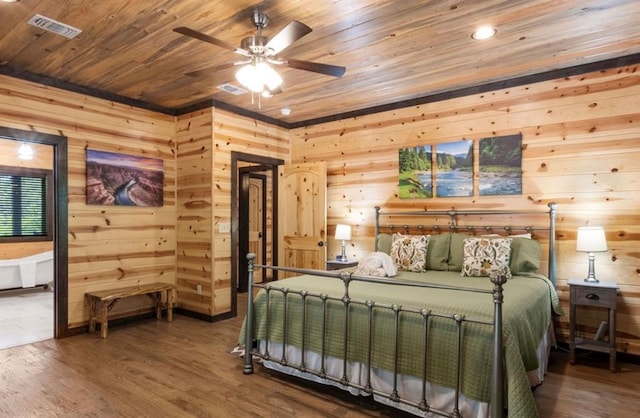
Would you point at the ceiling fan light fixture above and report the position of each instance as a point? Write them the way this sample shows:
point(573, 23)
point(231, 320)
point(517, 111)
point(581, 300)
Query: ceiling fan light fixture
point(248, 76)
point(269, 76)
point(258, 77)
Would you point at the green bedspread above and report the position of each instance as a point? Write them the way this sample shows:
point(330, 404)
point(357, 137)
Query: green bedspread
point(528, 305)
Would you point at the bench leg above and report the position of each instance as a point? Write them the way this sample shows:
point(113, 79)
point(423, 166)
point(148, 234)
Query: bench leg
point(171, 299)
point(104, 322)
point(158, 298)
point(92, 315)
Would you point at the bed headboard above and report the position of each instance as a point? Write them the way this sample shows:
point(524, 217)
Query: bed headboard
point(497, 221)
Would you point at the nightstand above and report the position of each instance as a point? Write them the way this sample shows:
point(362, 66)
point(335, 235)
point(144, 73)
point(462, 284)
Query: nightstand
point(600, 295)
point(336, 265)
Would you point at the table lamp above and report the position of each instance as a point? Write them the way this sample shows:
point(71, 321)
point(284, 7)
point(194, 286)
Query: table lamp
point(343, 232)
point(591, 239)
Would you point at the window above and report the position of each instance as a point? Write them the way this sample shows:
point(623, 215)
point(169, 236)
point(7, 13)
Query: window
point(26, 204)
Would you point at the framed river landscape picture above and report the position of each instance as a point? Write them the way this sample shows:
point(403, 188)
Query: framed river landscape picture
point(415, 172)
point(454, 168)
point(500, 165)
point(124, 180)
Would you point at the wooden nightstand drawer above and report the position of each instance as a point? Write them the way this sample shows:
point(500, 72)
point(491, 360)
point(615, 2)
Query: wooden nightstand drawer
point(593, 296)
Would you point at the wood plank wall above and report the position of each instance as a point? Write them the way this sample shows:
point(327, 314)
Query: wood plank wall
point(43, 159)
point(581, 148)
point(109, 246)
point(206, 140)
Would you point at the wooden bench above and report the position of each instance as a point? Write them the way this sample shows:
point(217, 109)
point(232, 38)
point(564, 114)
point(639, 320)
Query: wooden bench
point(101, 302)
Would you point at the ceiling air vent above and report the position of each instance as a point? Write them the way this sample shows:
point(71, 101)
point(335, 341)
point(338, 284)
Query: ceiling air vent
point(51, 25)
point(230, 88)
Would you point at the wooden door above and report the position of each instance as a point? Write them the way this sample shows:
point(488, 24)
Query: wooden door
point(302, 214)
point(257, 222)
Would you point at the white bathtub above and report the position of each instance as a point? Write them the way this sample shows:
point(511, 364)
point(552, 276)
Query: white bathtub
point(30, 271)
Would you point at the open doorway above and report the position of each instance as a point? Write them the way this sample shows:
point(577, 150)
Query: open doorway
point(59, 221)
point(254, 216)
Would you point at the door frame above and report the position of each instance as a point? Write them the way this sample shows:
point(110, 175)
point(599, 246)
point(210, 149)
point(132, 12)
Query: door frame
point(266, 163)
point(61, 221)
point(246, 174)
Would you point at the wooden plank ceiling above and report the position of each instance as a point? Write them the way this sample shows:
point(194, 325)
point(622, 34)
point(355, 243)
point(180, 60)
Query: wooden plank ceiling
point(394, 51)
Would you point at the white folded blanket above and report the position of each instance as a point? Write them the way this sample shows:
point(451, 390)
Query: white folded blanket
point(377, 264)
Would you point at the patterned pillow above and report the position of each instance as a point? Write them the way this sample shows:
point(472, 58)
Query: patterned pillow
point(483, 256)
point(409, 252)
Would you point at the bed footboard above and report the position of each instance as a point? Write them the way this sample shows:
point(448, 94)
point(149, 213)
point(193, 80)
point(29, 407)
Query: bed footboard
point(346, 305)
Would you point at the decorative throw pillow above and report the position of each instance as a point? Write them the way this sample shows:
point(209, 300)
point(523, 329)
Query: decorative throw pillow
point(483, 256)
point(409, 252)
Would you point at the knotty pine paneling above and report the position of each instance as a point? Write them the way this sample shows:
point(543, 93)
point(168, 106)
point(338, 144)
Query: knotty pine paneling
point(194, 156)
point(109, 246)
point(581, 149)
point(239, 134)
point(205, 141)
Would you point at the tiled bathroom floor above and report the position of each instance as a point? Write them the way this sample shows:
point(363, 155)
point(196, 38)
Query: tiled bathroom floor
point(26, 316)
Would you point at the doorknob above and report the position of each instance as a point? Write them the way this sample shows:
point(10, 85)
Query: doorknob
point(259, 234)
point(320, 243)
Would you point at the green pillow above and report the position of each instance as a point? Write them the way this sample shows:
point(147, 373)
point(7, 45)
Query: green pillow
point(438, 252)
point(525, 256)
point(456, 251)
point(383, 243)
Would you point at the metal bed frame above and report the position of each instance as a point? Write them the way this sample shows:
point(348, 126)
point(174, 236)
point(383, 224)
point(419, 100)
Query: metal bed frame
point(497, 382)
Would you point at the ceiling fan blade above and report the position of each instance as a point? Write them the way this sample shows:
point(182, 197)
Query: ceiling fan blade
point(288, 35)
point(206, 38)
point(317, 67)
point(212, 69)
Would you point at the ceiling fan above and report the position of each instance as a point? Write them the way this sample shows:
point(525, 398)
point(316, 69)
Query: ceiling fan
point(255, 73)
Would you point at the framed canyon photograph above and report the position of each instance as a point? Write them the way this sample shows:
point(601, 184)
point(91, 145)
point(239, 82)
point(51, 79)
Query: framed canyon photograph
point(123, 180)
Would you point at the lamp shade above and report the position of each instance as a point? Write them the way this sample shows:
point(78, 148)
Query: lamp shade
point(591, 239)
point(343, 232)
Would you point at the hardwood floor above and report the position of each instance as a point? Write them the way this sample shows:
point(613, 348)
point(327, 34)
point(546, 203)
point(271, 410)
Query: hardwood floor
point(185, 369)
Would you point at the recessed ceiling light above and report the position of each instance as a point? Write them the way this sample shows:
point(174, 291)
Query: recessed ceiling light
point(10, 1)
point(484, 32)
point(285, 111)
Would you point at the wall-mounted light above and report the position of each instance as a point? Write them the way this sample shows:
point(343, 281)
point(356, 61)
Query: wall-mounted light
point(25, 152)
